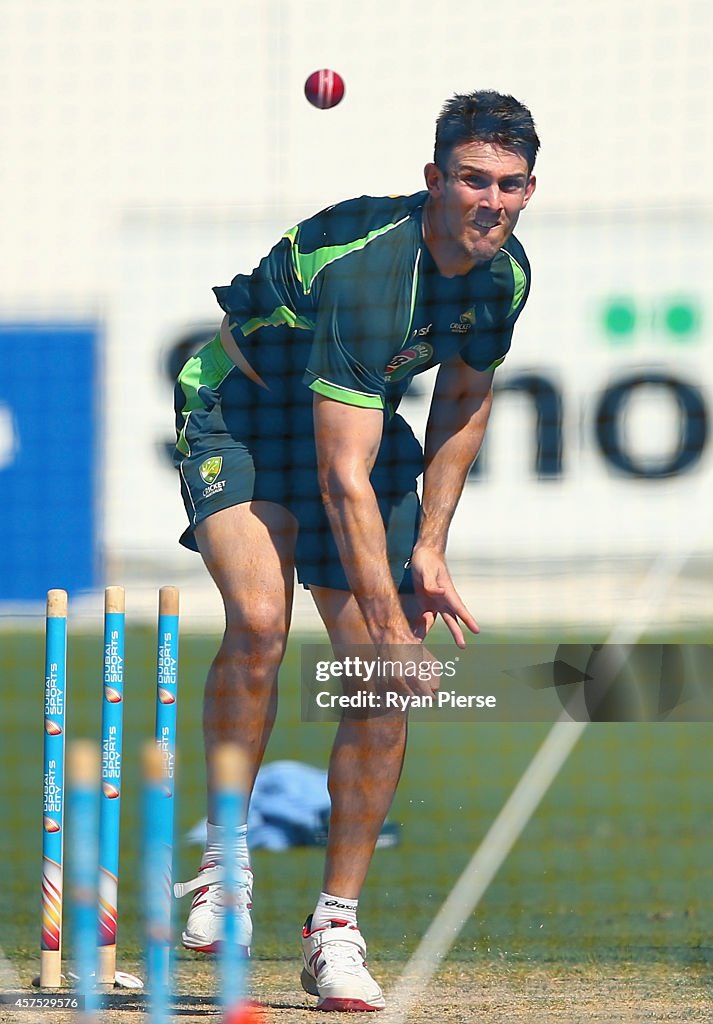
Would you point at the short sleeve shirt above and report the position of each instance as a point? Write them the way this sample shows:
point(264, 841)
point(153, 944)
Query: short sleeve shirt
point(350, 304)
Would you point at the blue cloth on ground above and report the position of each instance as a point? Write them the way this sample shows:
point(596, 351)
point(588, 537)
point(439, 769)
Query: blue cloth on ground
point(290, 806)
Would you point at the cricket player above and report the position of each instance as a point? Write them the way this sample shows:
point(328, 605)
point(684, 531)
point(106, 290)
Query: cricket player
point(292, 455)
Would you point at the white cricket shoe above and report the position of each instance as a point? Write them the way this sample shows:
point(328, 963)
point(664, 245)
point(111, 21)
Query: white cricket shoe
point(204, 927)
point(335, 968)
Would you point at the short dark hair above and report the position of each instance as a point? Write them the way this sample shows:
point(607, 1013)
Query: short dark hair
point(485, 116)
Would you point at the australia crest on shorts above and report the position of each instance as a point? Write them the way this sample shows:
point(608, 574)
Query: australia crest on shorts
point(210, 468)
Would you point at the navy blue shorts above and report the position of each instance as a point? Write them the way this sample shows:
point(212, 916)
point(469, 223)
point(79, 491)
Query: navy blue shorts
point(243, 443)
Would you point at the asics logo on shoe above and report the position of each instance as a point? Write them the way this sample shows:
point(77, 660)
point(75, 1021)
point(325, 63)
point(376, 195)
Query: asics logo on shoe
point(200, 897)
point(316, 967)
point(336, 903)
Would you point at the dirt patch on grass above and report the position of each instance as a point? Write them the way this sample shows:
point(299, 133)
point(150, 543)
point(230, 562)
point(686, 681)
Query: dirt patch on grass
point(486, 993)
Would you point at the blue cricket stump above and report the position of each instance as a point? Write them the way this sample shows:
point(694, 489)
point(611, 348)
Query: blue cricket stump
point(161, 835)
point(157, 817)
point(53, 788)
point(230, 776)
point(83, 776)
point(166, 690)
point(110, 800)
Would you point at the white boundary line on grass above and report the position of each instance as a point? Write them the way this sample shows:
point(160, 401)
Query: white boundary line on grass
point(519, 807)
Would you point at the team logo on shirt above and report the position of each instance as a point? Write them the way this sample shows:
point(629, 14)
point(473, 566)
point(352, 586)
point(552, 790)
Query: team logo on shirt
point(421, 332)
point(406, 361)
point(210, 469)
point(465, 322)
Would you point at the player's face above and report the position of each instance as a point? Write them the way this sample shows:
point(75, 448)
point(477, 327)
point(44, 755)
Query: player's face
point(476, 203)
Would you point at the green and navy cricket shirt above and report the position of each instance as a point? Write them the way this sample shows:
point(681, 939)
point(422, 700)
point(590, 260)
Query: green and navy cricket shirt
point(350, 303)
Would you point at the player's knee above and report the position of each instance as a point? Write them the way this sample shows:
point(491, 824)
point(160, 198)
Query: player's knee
point(258, 634)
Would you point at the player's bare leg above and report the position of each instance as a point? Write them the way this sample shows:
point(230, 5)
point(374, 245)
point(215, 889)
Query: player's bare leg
point(249, 552)
point(364, 771)
point(365, 765)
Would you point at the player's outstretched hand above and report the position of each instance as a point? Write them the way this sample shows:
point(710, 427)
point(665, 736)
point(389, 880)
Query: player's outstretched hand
point(435, 594)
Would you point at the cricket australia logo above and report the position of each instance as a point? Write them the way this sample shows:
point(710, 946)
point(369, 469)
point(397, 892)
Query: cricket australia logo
point(406, 361)
point(465, 322)
point(210, 469)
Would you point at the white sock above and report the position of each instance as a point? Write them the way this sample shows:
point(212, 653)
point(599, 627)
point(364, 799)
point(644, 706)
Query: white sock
point(213, 852)
point(330, 908)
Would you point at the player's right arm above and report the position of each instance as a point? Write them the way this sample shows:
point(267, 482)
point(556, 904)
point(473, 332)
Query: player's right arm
point(348, 439)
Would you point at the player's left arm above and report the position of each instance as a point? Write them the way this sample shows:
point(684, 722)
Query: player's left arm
point(458, 417)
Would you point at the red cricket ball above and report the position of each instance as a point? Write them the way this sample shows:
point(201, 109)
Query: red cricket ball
point(324, 88)
point(244, 1013)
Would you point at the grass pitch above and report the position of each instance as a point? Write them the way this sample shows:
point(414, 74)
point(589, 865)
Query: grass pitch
point(613, 877)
